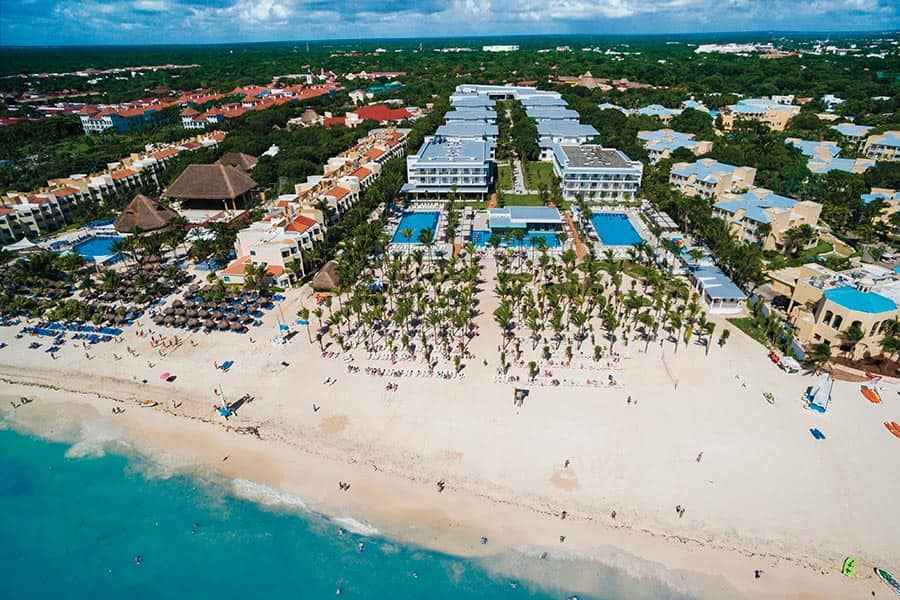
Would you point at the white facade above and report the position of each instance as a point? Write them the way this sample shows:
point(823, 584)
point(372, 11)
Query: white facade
point(597, 174)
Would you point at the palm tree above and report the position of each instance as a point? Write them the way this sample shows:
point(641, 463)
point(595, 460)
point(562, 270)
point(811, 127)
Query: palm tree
point(723, 337)
point(303, 313)
point(852, 337)
point(406, 234)
point(817, 356)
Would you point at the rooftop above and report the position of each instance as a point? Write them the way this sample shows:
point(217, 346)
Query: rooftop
point(470, 114)
point(888, 138)
point(467, 129)
point(717, 285)
point(590, 156)
point(519, 216)
point(854, 299)
point(851, 130)
point(658, 110)
point(551, 112)
point(705, 169)
point(667, 139)
point(811, 148)
point(438, 149)
point(565, 129)
point(754, 204)
point(470, 101)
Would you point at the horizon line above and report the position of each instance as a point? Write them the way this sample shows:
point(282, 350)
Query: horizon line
point(748, 32)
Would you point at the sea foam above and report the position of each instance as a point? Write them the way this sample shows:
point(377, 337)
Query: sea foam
point(266, 496)
point(357, 527)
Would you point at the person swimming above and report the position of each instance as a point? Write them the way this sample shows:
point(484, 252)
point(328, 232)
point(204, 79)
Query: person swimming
point(138, 559)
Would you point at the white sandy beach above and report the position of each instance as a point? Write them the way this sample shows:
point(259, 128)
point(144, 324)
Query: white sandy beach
point(765, 495)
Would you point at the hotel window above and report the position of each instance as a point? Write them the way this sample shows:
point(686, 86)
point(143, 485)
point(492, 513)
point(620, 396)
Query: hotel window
point(828, 316)
point(838, 321)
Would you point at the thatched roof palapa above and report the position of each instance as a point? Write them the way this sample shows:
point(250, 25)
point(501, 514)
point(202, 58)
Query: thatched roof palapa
point(144, 214)
point(242, 161)
point(326, 279)
point(210, 182)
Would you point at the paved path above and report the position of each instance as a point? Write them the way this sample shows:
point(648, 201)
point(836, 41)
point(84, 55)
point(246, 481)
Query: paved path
point(518, 178)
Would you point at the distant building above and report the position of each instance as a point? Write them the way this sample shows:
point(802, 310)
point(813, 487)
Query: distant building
point(471, 101)
point(551, 113)
point(823, 157)
point(120, 121)
point(746, 213)
point(708, 178)
point(472, 114)
point(33, 215)
point(853, 133)
point(596, 174)
point(212, 187)
point(660, 144)
point(442, 166)
point(382, 113)
point(144, 215)
point(885, 146)
point(553, 133)
point(525, 94)
point(889, 198)
point(242, 161)
point(500, 48)
point(771, 112)
point(468, 130)
point(659, 111)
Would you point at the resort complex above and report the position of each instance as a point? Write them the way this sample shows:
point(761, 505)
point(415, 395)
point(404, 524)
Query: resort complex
point(579, 329)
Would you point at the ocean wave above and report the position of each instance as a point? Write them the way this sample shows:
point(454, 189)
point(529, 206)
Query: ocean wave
point(357, 527)
point(266, 496)
point(93, 440)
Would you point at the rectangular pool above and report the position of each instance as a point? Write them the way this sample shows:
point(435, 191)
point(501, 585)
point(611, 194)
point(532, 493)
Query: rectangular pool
point(614, 229)
point(97, 248)
point(415, 222)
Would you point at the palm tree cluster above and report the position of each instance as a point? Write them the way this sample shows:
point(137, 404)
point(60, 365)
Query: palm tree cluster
point(592, 301)
point(404, 303)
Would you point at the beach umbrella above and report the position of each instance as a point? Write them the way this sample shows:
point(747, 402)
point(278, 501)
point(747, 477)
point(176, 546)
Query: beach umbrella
point(192, 323)
point(216, 315)
point(180, 320)
point(223, 325)
point(165, 375)
point(210, 324)
point(192, 313)
point(236, 327)
point(248, 319)
point(203, 313)
point(169, 320)
point(169, 311)
point(177, 303)
point(179, 311)
point(234, 318)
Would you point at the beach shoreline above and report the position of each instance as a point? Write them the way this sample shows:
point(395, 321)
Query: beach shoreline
point(402, 503)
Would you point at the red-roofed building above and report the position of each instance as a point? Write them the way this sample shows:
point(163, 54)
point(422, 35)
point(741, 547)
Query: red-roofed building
point(382, 113)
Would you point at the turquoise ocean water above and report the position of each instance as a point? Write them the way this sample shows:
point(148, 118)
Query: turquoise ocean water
point(72, 527)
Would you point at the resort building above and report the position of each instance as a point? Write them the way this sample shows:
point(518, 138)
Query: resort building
point(518, 226)
point(773, 113)
point(660, 144)
point(500, 48)
point(33, 215)
point(442, 166)
point(553, 133)
point(471, 101)
point(551, 113)
point(823, 157)
point(659, 111)
point(708, 178)
point(890, 200)
point(239, 160)
point(546, 100)
point(118, 120)
point(144, 215)
point(763, 217)
point(469, 130)
point(853, 133)
point(212, 188)
point(524, 94)
point(885, 146)
point(699, 106)
point(823, 305)
point(596, 174)
point(716, 290)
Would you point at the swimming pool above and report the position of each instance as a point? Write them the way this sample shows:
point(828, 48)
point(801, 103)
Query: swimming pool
point(867, 302)
point(614, 229)
point(483, 238)
point(416, 222)
point(97, 248)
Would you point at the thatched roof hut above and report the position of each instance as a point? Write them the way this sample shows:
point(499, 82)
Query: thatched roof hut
point(199, 185)
point(144, 214)
point(326, 279)
point(242, 161)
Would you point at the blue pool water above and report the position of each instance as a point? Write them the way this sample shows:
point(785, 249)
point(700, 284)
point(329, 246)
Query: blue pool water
point(482, 238)
point(614, 229)
point(867, 302)
point(415, 222)
point(96, 247)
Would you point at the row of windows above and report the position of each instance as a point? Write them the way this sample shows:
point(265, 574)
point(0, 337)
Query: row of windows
point(835, 322)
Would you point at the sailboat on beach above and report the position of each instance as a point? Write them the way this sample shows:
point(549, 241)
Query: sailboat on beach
point(818, 395)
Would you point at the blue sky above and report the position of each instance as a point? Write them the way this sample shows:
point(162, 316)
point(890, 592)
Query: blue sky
point(53, 22)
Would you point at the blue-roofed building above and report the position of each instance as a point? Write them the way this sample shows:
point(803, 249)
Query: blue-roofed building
point(551, 113)
point(699, 106)
point(885, 146)
point(771, 113)
point(543, 100)
point(469, 130)
point(823, 157)
point(507, 92)
point(660, 144)
point(552, 133)
point(525, 217)
point(471, 101)
point(890, 200)
point(659, 111)
point(853, 133)
point(518, 226)
point(746, 214)
point(442, 166)
point(708, 178)
point(717, 291)
point(478, 114)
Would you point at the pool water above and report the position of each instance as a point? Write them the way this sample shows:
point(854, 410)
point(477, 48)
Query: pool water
point(483, 238)
point(96, 247)
point(416, 222)
point(614, 229)
point(854, 299)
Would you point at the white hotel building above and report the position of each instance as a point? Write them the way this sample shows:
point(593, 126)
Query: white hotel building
point(445, 165)
point(597, 174)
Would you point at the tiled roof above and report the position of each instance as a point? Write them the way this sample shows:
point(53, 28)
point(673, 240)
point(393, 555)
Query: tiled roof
point(754, 204)
point(300, 224)
point(337, 192)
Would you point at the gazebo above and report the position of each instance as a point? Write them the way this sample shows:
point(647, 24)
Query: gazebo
point(144, 214)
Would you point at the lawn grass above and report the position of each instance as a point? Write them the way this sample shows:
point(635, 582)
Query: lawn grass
point(751, 328)
point(537, 171)
point(523, 200)
point(504, 177)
